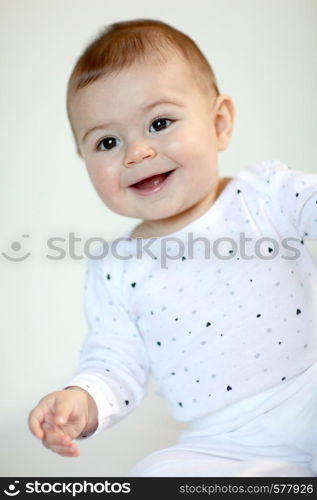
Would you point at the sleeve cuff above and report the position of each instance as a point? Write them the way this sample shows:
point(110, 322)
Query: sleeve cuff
point(103, 396)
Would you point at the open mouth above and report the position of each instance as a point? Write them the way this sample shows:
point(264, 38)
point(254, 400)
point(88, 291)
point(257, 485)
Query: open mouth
point(150, 183)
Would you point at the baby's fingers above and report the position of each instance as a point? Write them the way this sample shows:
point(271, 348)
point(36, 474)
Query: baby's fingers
point(36, 418)
point(62, 411)
point(57, 441)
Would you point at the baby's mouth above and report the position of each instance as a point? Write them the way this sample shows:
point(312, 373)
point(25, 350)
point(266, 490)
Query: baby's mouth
point(152, 181)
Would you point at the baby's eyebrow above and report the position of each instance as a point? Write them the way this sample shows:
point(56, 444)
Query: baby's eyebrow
point(147, 107)
point(163, 100)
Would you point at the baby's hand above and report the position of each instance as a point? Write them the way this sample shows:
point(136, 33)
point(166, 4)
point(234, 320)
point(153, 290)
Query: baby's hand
point(61, 417)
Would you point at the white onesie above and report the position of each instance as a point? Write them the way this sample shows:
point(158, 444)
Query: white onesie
point(213, 328)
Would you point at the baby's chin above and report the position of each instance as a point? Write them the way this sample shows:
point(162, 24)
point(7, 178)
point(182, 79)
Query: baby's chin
point(145, 215)
point(162, 223)
point(161, 209)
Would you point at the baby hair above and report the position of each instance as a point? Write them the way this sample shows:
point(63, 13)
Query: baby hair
point(121, 44)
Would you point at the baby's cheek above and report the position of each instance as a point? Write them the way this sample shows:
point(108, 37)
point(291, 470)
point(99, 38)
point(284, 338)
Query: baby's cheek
point(179, 147)
point(105, 182)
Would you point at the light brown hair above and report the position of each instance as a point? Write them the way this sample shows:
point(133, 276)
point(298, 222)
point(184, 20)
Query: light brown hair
point(121, 44)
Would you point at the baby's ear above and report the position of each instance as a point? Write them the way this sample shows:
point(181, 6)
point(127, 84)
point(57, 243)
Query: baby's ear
point(224, 119)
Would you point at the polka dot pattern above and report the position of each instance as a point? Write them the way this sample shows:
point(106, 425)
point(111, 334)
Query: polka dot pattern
point(212, 330)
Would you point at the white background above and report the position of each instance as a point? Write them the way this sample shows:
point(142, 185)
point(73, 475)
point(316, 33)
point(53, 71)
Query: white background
point(264, 56)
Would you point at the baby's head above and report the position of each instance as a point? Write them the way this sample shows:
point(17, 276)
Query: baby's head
point(143, 100)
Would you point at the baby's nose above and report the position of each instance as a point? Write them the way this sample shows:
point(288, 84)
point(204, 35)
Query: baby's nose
point(138, 153)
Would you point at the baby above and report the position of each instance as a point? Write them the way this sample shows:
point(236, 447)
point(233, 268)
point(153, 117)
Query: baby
point(228, 331)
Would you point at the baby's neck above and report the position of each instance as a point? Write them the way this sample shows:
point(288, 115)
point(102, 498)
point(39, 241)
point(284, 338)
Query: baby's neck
point(164, 227)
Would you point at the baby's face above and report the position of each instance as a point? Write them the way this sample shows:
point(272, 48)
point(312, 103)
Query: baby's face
point(147, 120)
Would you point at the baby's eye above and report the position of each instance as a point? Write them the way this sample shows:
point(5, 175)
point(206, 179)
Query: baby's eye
point(161, 123)
point(110, 142)
point(107, 142)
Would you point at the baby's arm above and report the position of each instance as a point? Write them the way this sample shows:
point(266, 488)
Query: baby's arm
point(62, 416)
point(113, 363)
point(111, 375)
point(295, 193)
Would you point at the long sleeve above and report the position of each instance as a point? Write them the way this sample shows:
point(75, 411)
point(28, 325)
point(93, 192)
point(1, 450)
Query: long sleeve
point(113, 363)
point(296, 196)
